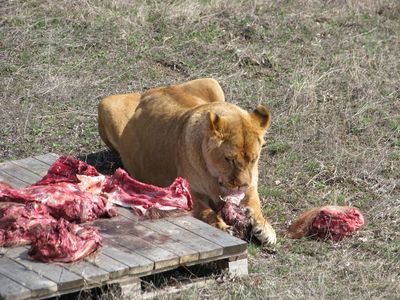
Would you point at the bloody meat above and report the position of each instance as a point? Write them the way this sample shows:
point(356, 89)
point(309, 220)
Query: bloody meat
point(327, 223)
point(64, 242)
point(74, 191)
point(18, 222)
point(123, 190)
point(63, 200)
point(235, 215)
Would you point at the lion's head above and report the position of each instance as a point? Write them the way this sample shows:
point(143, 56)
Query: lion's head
point(232, 148)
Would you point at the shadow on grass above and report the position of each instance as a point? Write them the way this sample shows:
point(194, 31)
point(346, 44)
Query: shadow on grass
point(105, 161)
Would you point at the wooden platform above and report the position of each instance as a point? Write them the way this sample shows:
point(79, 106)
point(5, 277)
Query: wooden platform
point(131, 249)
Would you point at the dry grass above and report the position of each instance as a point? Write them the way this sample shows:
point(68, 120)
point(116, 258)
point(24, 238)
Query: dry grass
point(329, 71)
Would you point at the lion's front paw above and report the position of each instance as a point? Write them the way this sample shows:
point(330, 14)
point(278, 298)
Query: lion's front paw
point(264, 232)
point(223, 226)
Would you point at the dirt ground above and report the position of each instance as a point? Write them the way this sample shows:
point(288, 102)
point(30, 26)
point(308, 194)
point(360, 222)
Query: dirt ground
point(328, 70)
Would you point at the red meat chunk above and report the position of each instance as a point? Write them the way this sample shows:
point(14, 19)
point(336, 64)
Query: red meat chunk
point(64, 200)
point(66, 169)
point(328, 222)
point(64, 242)
point(123, 190)
point(18, 222)
point(74, 191)
point(236, 216)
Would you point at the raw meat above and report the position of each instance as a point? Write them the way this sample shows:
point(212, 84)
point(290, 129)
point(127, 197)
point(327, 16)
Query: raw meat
point(123, 190)
point(236, 216)
point(74, 191)
point(18, 222)
point(77, 192)
point(64, 242)
point(51, 240)
point(66, 169)
point(63, 200)
point(328, 222)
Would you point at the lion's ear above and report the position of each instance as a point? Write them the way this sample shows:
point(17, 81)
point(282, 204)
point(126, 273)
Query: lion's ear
point(262, 116)
point(216, 123)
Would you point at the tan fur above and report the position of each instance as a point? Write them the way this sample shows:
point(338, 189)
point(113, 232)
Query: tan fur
point(189, 130)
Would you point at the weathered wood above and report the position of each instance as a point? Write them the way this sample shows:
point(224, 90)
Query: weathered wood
point(65, 279)
point(38, 285)
point(122, 226)
point(136, 263)
point(236, 267)
point(48, 158)
point(229, 243)
point(205, 248)
point(186, 254)
point(130, 287)
point(11, 289)
point(35, 166)
point(92, 274)
point(19, 172)
point(11, 180)
point(121, 231)
point(162, 258)
point(112, 266)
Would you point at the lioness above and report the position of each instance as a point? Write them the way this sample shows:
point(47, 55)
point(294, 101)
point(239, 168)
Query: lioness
point(189, 130)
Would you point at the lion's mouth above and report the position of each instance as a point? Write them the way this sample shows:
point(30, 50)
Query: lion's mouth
point(233, 195)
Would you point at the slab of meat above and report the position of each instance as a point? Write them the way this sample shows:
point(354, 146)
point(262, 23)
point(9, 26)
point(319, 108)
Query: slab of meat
point(64, 242)
point(63, 200)
point(18, 222)
point(123, 190)
point(74, 191)
point(328, 222)
point(236, 216)
point(51, 240)
point(66, 169)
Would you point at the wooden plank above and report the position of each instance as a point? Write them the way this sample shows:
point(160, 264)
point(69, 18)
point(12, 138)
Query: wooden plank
point(35, 166)
point(130, 287)
point(19, 172)
point(161, 257)
point(11, 180)
point(121, 226)
point(48, 158)
point(112, 266)
point(137, 264)
point(185, 253)
point(92, 274)
point(230, 244)
point(10, 289)
point(65, 279)
point(38, 285)
point(166, 241)
point(205, 248)
point(238, 267)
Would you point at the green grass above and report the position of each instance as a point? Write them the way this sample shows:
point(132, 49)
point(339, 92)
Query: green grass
point(277, 147)
point(328, 71)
